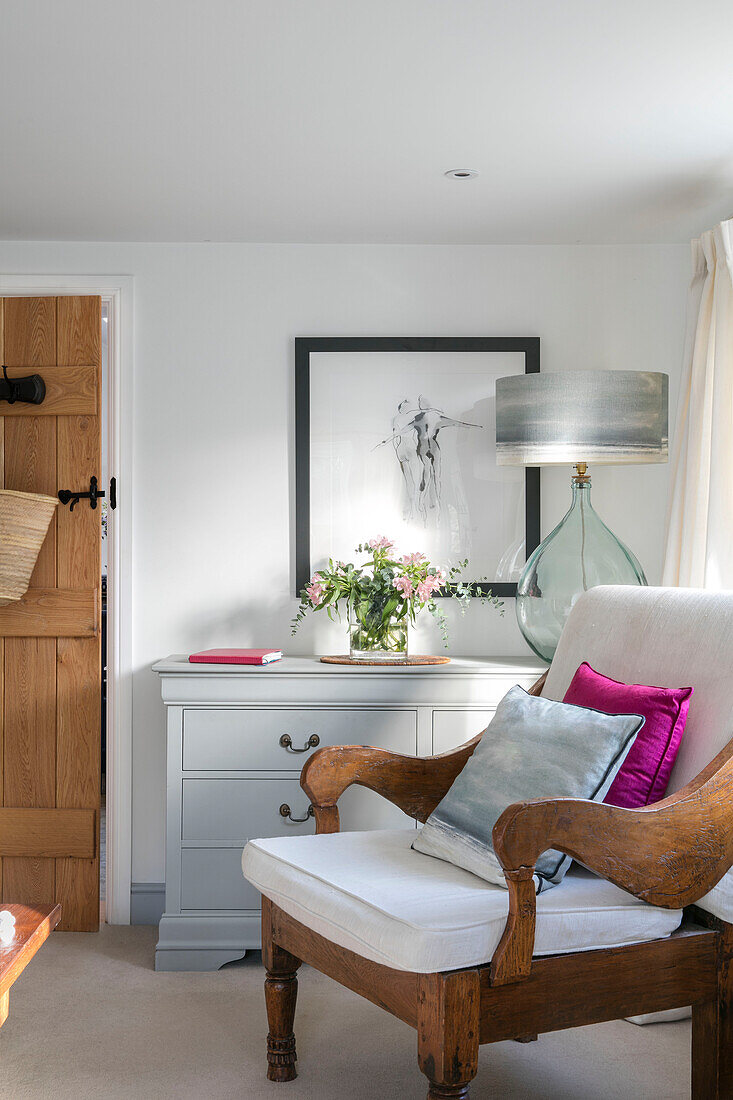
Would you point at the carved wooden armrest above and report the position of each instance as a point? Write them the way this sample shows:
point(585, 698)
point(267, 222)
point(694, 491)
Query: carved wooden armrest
point(668, 854)
point(414, 783)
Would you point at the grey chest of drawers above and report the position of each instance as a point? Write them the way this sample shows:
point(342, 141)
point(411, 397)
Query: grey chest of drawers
point(237, 737)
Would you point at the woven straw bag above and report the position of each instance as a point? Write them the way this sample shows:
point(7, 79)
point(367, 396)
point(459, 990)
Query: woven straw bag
point(24, 521)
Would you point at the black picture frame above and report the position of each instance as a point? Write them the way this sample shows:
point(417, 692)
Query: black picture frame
point(305, 346)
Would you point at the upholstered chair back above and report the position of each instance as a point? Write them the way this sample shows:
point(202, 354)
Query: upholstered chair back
point(668, 637)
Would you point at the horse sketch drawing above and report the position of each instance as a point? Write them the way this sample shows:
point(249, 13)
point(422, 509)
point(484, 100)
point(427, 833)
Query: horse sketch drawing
point(415, 430)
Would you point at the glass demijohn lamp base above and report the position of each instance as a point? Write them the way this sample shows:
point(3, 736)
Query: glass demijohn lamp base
point(579, 554)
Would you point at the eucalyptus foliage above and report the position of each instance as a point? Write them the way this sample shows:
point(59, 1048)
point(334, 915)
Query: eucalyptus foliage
point(384, 594)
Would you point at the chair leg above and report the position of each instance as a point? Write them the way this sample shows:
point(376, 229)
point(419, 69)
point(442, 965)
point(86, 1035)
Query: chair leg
point(448, 1032)
point(281, 993)
point(706, 1042)
point(712, 1029)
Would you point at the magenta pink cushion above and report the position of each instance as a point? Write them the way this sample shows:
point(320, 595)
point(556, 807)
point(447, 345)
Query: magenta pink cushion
point(645, 772)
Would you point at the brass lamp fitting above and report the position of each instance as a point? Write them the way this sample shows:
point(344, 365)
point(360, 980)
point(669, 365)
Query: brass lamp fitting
point(580, 477)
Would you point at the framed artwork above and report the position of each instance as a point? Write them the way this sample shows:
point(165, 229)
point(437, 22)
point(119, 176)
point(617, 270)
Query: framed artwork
point(397, 437)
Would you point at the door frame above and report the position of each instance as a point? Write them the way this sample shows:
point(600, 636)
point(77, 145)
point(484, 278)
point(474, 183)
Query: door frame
point(117, 292)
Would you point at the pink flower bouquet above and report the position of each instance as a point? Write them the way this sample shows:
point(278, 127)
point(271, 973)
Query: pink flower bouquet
point(383, 596)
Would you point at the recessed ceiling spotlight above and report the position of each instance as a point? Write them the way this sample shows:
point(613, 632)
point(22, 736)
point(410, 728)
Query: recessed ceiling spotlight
point(461, 174)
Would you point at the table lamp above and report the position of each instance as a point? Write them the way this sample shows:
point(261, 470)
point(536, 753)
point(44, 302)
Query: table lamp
point(578, 417)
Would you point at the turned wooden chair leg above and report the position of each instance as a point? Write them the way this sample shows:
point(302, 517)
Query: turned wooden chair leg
point(448, 1032)
point(281, 993)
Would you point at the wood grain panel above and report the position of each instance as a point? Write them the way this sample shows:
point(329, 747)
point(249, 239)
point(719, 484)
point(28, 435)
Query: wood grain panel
point(602, 985)
point(68, 390)
point(30, 467)
point(30, 663)
point(447, 1030)
point(704, 1059)
point(79, 330)
point(77, 888)
point(30, 455)
point(25, 831)
point(80, 531)
point(78, 663)
point(30, 722)
point(78, 741)
point(30, 878)
point(30, 332)
point(706, 1037)
point(78, 770)
point(51, 612)
point(29, 755)
point(52, 663)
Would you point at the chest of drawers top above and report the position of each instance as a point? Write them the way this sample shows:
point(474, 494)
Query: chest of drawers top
point(303, 680)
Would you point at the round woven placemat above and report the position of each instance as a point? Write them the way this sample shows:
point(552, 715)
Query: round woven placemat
point(346, 660)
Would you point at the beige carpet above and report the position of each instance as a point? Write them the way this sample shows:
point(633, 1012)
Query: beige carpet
point(90, 1018)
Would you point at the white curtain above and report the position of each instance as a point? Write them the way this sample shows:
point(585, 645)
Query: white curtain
point(699, 550)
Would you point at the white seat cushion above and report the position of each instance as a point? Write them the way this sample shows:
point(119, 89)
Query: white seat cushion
point(369, 892)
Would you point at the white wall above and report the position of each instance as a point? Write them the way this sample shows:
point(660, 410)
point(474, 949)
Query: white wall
point(213, 432)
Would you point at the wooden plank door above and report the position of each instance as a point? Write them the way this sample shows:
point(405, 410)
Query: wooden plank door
point(50, 687)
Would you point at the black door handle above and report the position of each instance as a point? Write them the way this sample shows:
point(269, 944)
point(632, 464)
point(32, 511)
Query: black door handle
point(30, 390)
point(68, 496)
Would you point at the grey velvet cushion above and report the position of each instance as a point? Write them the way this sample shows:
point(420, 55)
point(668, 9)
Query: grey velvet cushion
point(532, 748)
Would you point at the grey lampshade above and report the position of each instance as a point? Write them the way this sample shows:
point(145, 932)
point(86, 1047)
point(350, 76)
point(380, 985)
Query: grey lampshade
point(608, 416)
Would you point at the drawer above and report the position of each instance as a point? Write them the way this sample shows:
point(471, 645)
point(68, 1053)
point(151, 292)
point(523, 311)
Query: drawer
point(244, 739)
point(452, 728)
point(211, 878)
point(221, 812)
point(224, 812)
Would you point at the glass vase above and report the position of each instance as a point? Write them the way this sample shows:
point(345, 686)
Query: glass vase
point(372, 638)
point(579, 554)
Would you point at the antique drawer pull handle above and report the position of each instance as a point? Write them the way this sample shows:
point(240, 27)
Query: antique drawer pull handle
point(285, 811)
point(312, 743)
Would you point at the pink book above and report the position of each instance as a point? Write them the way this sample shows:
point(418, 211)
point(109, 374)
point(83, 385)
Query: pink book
point(235, 656)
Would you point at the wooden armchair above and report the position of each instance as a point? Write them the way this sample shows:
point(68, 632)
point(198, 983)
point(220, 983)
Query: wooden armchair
point(669, 855)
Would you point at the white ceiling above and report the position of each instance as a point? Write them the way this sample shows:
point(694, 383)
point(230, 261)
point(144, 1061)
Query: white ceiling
point(334, 120)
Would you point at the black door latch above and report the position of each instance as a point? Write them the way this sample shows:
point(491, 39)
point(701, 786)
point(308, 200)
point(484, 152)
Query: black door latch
point(31, 390)
point(66, 496)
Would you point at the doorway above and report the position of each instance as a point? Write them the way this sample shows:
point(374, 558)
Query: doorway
point(51, 690)
point(116, 293)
